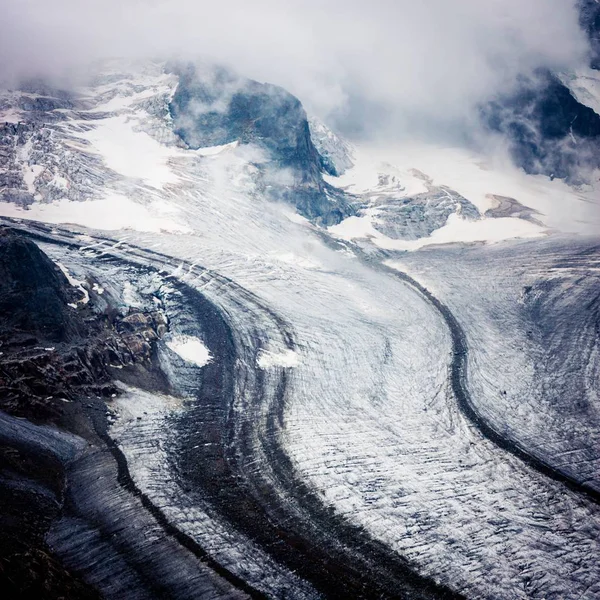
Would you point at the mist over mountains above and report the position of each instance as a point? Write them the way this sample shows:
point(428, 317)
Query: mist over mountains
point(300, 299)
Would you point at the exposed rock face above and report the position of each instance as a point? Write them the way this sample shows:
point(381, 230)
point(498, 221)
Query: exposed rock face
point(419, 216)
point(549, 131)
point(13, 137)
point(589, 19)
point(504, 206)
point(55, 353)
point(335, 153)
point(218, 108)
point(54, 347)
point(34, 294)
point(35, 164)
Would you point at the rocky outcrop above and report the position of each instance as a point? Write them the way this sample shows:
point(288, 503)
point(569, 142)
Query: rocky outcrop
point(549, 131)
point(58, 353)
point(34, 164)
point(34, 295)
point(419, 216)
point(589, 19)
point(217, 108)
point(335, 153)
point(56, 348)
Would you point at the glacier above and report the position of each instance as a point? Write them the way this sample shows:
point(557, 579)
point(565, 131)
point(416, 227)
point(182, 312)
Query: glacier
point(324, 433)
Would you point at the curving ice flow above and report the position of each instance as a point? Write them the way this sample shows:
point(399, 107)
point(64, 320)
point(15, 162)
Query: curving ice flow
point(371, 425)
point(342, 421)
point(529, 312)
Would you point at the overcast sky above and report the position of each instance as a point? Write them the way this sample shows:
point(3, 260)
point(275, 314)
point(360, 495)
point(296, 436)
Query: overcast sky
point(391, 62)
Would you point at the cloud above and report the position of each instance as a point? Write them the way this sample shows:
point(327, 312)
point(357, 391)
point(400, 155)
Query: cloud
point(386, 64)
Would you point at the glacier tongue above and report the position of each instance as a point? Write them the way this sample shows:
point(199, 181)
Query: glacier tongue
point(370, 424)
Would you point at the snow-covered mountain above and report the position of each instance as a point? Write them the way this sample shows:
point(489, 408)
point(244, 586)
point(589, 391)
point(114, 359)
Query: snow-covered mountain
point(361, 369)
point(120, 152)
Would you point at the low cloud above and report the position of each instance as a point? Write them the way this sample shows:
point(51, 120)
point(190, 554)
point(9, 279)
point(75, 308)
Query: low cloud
point(391, 66)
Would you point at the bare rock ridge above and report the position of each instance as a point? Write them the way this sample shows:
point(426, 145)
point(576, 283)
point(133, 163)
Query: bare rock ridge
point(549, 130)
point(589, 19)
point(55, 354)
point(218, 108)
point(34, 294)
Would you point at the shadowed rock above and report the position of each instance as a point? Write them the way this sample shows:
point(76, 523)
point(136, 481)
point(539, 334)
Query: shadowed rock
point(34, 293)
point(217, 108)
point(549, 131)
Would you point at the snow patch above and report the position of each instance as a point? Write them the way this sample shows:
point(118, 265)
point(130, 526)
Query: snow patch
point(291, 258)
point(456, 230)
point(132, 153)
point(76, 283)
point(286, 359)
point(336, 151)
point(135, 404)
point(475, 178)
point(58, 181)
point(130, 296)
point(121, 102)
point(353, 228)
point(30, 174)
point(371, 174)
point(11, 116)
point(190, 348)
point(294, 217)
point(111, 213)
point(584, 84)
point(214, 150)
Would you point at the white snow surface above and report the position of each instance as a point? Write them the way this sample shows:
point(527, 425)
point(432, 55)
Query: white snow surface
point(456, 230)
point(132, 153)
point(407, 167)
point(365, 175)
point(110, 213)
point(336, 150)
point(212, 150)
point(143, 430)
point(134, 403)
point(10, 116)
point(190, 348)
point(584, 83)
point(268, 360)
point(76, 283)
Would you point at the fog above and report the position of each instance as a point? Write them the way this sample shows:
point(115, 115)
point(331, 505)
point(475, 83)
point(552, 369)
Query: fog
point(383, 65)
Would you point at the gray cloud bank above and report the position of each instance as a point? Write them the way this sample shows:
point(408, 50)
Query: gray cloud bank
point(384, 63)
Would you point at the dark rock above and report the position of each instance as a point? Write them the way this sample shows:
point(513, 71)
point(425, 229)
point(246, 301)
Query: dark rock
point(16, 196)
point(221, 108)
point(549, 131)
point(34, 293)
point(589, 19)
point(52, 351)
point(32, 484)
point(136, 320)
point(504, 206)
point(54, 358)
point(43, 104)
point(418, 216)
